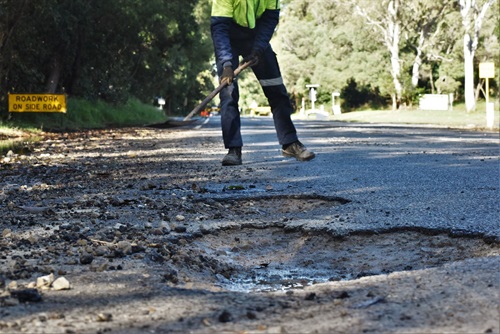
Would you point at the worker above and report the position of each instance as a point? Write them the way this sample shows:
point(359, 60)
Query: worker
point(244, 28)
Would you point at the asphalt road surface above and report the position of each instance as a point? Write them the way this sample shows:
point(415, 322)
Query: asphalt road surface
point(395, 176)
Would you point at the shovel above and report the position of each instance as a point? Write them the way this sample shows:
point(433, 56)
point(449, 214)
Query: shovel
point(216, 91)
point(188, 119)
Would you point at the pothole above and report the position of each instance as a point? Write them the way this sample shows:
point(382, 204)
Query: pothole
point(272, 259)
point(263, 207)
point(287, 203)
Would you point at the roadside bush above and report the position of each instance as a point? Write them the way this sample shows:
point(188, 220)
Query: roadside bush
point(356, 96)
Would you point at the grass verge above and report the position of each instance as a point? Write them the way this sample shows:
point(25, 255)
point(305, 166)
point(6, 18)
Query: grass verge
point(84, 114)
point(456, 118)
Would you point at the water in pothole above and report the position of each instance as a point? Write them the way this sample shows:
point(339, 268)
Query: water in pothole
point(272, 259)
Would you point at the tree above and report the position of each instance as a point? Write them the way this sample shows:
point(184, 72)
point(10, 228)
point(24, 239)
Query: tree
point(473, 13)
point(428, 21)
point(385, 17)
point(417, 39)
point(316, 45)
point(8, 23)
point(489, 48)
point(109, 50)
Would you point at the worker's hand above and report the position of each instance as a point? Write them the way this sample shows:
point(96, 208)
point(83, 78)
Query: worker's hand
point(252, 58)
point(227, 75)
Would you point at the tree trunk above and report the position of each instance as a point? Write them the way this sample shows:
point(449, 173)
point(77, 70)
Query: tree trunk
point(390, 28)
point(470, 102)
point(431, 75)
point(392, 40)
point(416, 69)
point(418, 60)
point(396, 73)
point(77, 64)
point(472, 20)
point(55, 74)
point(394, 101)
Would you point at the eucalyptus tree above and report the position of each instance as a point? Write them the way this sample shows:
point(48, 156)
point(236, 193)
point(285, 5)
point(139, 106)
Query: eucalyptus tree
point(473, 13)
point(296, 48)
point(318, 42)
point(429, 24)
point(489, 47)
point(385, 17)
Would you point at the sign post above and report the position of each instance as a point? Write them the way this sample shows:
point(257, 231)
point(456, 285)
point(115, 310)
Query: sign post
point(312, 95)
point(487, 71)
point(336, 103)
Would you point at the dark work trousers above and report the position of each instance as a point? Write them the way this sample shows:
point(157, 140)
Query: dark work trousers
point(268, 73)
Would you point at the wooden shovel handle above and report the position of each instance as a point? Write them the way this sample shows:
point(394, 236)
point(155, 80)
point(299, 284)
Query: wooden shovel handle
point(216, 91)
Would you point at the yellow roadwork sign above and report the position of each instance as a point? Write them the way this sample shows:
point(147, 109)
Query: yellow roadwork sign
point(37, 103)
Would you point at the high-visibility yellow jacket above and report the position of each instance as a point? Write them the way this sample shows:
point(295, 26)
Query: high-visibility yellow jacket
point(243, 12)
point(259, 16)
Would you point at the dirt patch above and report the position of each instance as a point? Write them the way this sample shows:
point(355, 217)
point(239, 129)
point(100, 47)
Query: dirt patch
point(247, 206)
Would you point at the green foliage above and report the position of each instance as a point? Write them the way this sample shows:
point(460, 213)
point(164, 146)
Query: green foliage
point(106, 50)
point(325, 42)
point(356, 96)
point(250, 91)
point(114, 50)
point(321, 43)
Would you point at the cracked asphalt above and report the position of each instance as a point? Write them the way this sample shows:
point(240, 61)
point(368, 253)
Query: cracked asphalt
point(392, 228)
point(395, 176)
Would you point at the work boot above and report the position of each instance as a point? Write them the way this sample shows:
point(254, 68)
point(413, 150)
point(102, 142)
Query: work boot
point(298, 151)
point(233, 157)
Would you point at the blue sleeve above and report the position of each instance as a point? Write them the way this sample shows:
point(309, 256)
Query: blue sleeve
point(266, 25)
point(219, 27)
